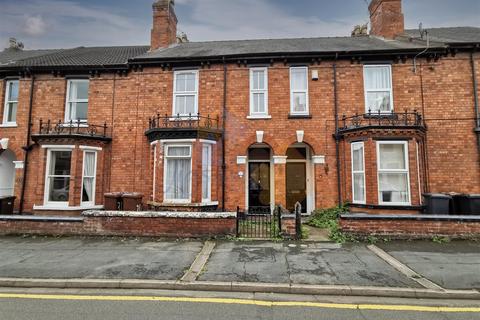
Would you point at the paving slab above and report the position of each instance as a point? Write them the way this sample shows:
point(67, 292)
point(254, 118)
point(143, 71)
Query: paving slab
point(89, 258)
point(453, 265)
point(295, 263)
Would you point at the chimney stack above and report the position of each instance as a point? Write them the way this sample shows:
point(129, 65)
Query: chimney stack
point(164, 30)
point(386, 18)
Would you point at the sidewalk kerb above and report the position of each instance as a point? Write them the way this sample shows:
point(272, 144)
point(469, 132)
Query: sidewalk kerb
point(199, 263)
point(339, 290)
point(402, 268)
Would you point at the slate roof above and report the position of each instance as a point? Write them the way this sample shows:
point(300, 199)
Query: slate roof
point(76, 57)
point(278, 46)
point(12, 55)
point(119, 56)
point(454, 35)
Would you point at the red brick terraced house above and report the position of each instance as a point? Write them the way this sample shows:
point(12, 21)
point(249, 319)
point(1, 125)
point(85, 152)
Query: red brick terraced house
point(375, 120)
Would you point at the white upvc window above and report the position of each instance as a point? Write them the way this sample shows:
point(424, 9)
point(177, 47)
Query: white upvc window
point(77, 100)
point(378, 88)
point(185, 93)
point(177, 184)
point(299, 90)
point(57, 182)
point(358, 173)
point(11, 103)
point(89, 177)
point(393, 173)
point(206, 173)
point(258, 92)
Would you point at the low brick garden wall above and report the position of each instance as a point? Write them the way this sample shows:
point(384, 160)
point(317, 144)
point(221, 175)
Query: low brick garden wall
point(411, 226)
point(117, 223)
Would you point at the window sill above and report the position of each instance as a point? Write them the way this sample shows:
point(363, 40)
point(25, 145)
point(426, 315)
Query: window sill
point(299, 116)
point(67, 208)
point(183, 204)
point(8, 125)
point(265, 117)
point(183, 118)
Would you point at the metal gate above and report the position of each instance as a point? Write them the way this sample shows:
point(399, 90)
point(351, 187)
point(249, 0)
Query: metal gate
point(258, 222)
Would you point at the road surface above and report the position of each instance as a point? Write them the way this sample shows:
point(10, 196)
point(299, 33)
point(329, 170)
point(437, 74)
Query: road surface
point(37, 304)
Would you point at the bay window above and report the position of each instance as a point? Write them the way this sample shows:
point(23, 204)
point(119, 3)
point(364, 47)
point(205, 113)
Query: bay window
point(11, 103)
point(206, 173)
point(89, 177)
point(299, 90)
point(178, 173)
point(358, 172)
point(378, 88)
point(57, 189)
point(258, 92)
point(77, 100)
point(393, 173)
point(185, 93)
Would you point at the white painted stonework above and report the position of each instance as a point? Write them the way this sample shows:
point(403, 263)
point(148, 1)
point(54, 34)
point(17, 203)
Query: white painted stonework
point(241, 160)
point(259, 136)
point(300, 135)
point(280, 159)
point(160, 214)
point(318, 159)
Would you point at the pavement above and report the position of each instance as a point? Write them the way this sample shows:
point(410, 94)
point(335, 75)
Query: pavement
point(404, 269)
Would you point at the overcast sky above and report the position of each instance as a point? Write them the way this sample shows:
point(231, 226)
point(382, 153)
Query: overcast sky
point(70, 23)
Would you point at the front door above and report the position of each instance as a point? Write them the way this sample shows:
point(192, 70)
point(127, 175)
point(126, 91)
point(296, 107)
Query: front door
point(258, 185)
point(296, 185)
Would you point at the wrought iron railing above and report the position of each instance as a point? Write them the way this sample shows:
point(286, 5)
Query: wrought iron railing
point(190, 121)
point(72, 128)
point(381, 119)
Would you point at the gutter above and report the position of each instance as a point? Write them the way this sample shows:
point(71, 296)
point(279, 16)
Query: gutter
point(28, 147)
point(337, 136)
point(224, 118)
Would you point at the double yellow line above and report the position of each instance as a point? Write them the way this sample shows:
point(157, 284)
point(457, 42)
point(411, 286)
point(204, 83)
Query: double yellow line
point(262, 303)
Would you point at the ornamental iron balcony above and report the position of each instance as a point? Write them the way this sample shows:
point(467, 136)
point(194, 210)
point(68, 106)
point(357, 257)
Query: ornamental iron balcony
point(71, 130)
point(183, 127)
point(381, 120)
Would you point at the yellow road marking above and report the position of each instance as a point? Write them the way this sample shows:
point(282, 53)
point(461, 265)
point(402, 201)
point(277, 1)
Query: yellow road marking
point(262, 303)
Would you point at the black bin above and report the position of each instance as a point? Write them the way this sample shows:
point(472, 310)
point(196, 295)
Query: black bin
point(437, 203)
point(466, 204)
point(6, 205)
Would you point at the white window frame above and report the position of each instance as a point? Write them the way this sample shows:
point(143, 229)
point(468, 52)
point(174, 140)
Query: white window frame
point(8, 84)
point(292, 93)
point(406, 170)
point(207, 167)
point(257, 91)
point(366, 90)
point(57, 204)
point(165, 164)
point(185, 93)
point(68, 101)
point(92, 201)
point(362, 172)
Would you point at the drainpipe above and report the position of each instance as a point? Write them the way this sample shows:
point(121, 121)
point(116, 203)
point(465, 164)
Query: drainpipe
point(224, 118)
point(28, 147)
point(337, 137)
point(475, 95)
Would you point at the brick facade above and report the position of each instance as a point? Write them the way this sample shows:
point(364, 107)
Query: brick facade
point(442, 158)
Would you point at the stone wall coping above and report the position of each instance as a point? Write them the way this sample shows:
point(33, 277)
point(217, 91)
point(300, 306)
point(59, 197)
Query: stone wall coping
point(40, 218)
point(161, 214)
point(420, 217)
